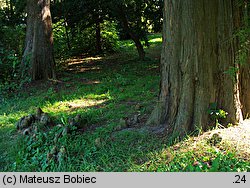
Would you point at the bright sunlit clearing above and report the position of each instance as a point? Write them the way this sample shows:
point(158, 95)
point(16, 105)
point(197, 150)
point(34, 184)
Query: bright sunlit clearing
point(156, 40)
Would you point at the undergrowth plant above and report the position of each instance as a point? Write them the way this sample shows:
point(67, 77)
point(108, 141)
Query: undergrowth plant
point(217, 114)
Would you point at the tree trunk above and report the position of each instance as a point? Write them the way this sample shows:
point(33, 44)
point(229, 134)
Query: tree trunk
point(245, 65)
point(67, 33)
point(25, 64)
point(138, 45)
point(66, 25)
point(134, 37)
point(39, 40)
point(245, 88)
point(98, 35)
point(198, 57)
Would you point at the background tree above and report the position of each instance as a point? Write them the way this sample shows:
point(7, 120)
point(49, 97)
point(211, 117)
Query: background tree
point(86, 24)
point(123, 18)
point(96, 18)
point(38, 52)
point(130, 15)
point(80, 27)
point(198, 65)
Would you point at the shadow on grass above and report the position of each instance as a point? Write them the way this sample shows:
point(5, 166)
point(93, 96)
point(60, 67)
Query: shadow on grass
point(103, 90)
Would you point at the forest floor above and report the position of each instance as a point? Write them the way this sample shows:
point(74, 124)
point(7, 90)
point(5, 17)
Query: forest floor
point(235, 139)
point(107, 91)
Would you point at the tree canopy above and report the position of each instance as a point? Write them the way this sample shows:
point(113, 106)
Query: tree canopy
point(96, 85)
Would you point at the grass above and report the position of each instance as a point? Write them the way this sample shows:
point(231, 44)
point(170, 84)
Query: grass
point(103, 90)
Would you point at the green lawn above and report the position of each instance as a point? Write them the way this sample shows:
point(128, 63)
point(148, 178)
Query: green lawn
point(103, 90)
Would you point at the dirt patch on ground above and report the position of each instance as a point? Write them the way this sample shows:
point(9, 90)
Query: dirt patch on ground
point(236, 139)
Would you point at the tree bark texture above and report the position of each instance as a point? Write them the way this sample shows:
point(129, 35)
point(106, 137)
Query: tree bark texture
point(25, 64)
point(197, 56)
point(242, 20)
point(245, 88)
point(39, 40)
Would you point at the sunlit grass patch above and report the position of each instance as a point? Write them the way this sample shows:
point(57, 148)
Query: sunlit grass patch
point(8, 120)
point(73, 105)
point(126, 44)
point(105, 96)
point(76, 61)
point(156, 40)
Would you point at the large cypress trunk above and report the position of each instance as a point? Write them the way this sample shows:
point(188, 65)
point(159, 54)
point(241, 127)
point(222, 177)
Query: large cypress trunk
point(243, 20)
point(39, 40)
point(198, 57)
point(245, 88)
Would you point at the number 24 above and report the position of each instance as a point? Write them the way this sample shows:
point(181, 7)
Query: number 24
point(240, 179)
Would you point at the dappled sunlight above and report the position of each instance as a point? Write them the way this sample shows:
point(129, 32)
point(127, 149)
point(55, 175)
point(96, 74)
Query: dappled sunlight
point(156, 40)
point(74, 105)
point(66, 81)
point(78, 61)
point(75, 61)
point(102, 91)
point(127, 44)
point(82, 103)
point(8, 120)
point(84, 69)
point(80, 65)
point(200, 153)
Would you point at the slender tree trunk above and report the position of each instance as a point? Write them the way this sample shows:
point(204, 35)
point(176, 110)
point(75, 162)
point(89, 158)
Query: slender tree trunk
point(39, 40)
point(66, 25)
point(11, 9)
point(67, 34)
point(98, 35)
point(138, 45)
point(198, 52)
point(134, 37)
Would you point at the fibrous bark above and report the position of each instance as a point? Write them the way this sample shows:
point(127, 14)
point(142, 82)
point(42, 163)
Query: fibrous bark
point(38, 54)
point(198, 57)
